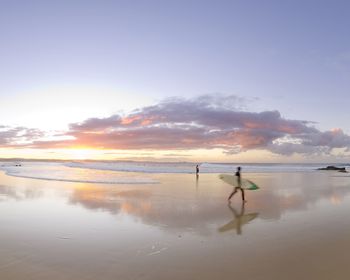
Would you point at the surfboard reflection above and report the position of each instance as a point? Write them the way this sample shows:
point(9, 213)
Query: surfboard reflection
point(239, 220)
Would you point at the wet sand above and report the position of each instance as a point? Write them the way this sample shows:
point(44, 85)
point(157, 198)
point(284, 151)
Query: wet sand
point(295, 227)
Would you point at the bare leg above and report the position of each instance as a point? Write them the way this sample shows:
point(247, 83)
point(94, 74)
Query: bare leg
point(243, 198)
point(232, 194)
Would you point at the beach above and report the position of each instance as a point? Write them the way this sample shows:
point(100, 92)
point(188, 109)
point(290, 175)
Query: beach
point(174, 140)
point(176, 226)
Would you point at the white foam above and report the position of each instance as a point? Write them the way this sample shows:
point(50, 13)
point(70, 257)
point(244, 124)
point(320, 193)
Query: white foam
point(144, 167)
point(185, 167)
point(120, 172)
point(58, 172)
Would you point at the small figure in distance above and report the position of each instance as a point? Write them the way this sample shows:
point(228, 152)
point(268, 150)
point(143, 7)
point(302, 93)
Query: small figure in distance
point(239, 187)
point(197, 169)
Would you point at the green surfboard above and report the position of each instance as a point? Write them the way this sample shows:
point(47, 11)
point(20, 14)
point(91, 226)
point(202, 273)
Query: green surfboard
point(233, 181)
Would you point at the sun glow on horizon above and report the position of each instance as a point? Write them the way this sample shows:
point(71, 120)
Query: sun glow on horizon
point(199, 155)
point(82, 154)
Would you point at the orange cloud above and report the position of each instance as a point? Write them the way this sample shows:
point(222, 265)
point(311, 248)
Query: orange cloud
point(204, 122)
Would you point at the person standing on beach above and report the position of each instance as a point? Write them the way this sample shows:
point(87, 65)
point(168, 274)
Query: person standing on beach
point(197, 169)
point(239, 187)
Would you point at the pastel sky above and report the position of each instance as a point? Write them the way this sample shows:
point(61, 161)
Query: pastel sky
point(256, 81)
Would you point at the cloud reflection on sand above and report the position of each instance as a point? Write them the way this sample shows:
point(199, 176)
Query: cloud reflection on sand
point(108, 199)
point(151, 207)
point(297, 194)
point(18, 194)
point(181, 203)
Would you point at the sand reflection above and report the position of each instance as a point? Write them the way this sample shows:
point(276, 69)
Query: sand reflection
point(200, 210)
point(184, 203)
point(180, 226)
point(240, 218)
point(18, 193)
point(109, 199)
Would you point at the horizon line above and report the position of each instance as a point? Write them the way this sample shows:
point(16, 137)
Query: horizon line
point(159, 161)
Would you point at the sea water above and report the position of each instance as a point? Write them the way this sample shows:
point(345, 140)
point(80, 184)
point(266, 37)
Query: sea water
point(135, 172)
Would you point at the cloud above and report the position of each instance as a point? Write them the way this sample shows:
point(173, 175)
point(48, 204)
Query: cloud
point(315, 143)
point(335, 138)
point(15, 136)
point(205, 122)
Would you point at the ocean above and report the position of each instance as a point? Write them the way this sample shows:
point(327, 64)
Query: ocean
point(135, 172)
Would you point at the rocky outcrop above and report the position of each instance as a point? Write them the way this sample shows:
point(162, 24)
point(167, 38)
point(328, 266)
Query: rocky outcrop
point(334, 168)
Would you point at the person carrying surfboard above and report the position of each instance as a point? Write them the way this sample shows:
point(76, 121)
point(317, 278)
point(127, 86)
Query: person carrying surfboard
point(239, 187)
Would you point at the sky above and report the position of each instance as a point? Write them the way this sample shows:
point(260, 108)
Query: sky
point(229, 81)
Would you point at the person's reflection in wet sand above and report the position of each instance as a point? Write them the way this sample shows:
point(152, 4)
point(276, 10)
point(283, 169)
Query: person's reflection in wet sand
point(239, 220)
